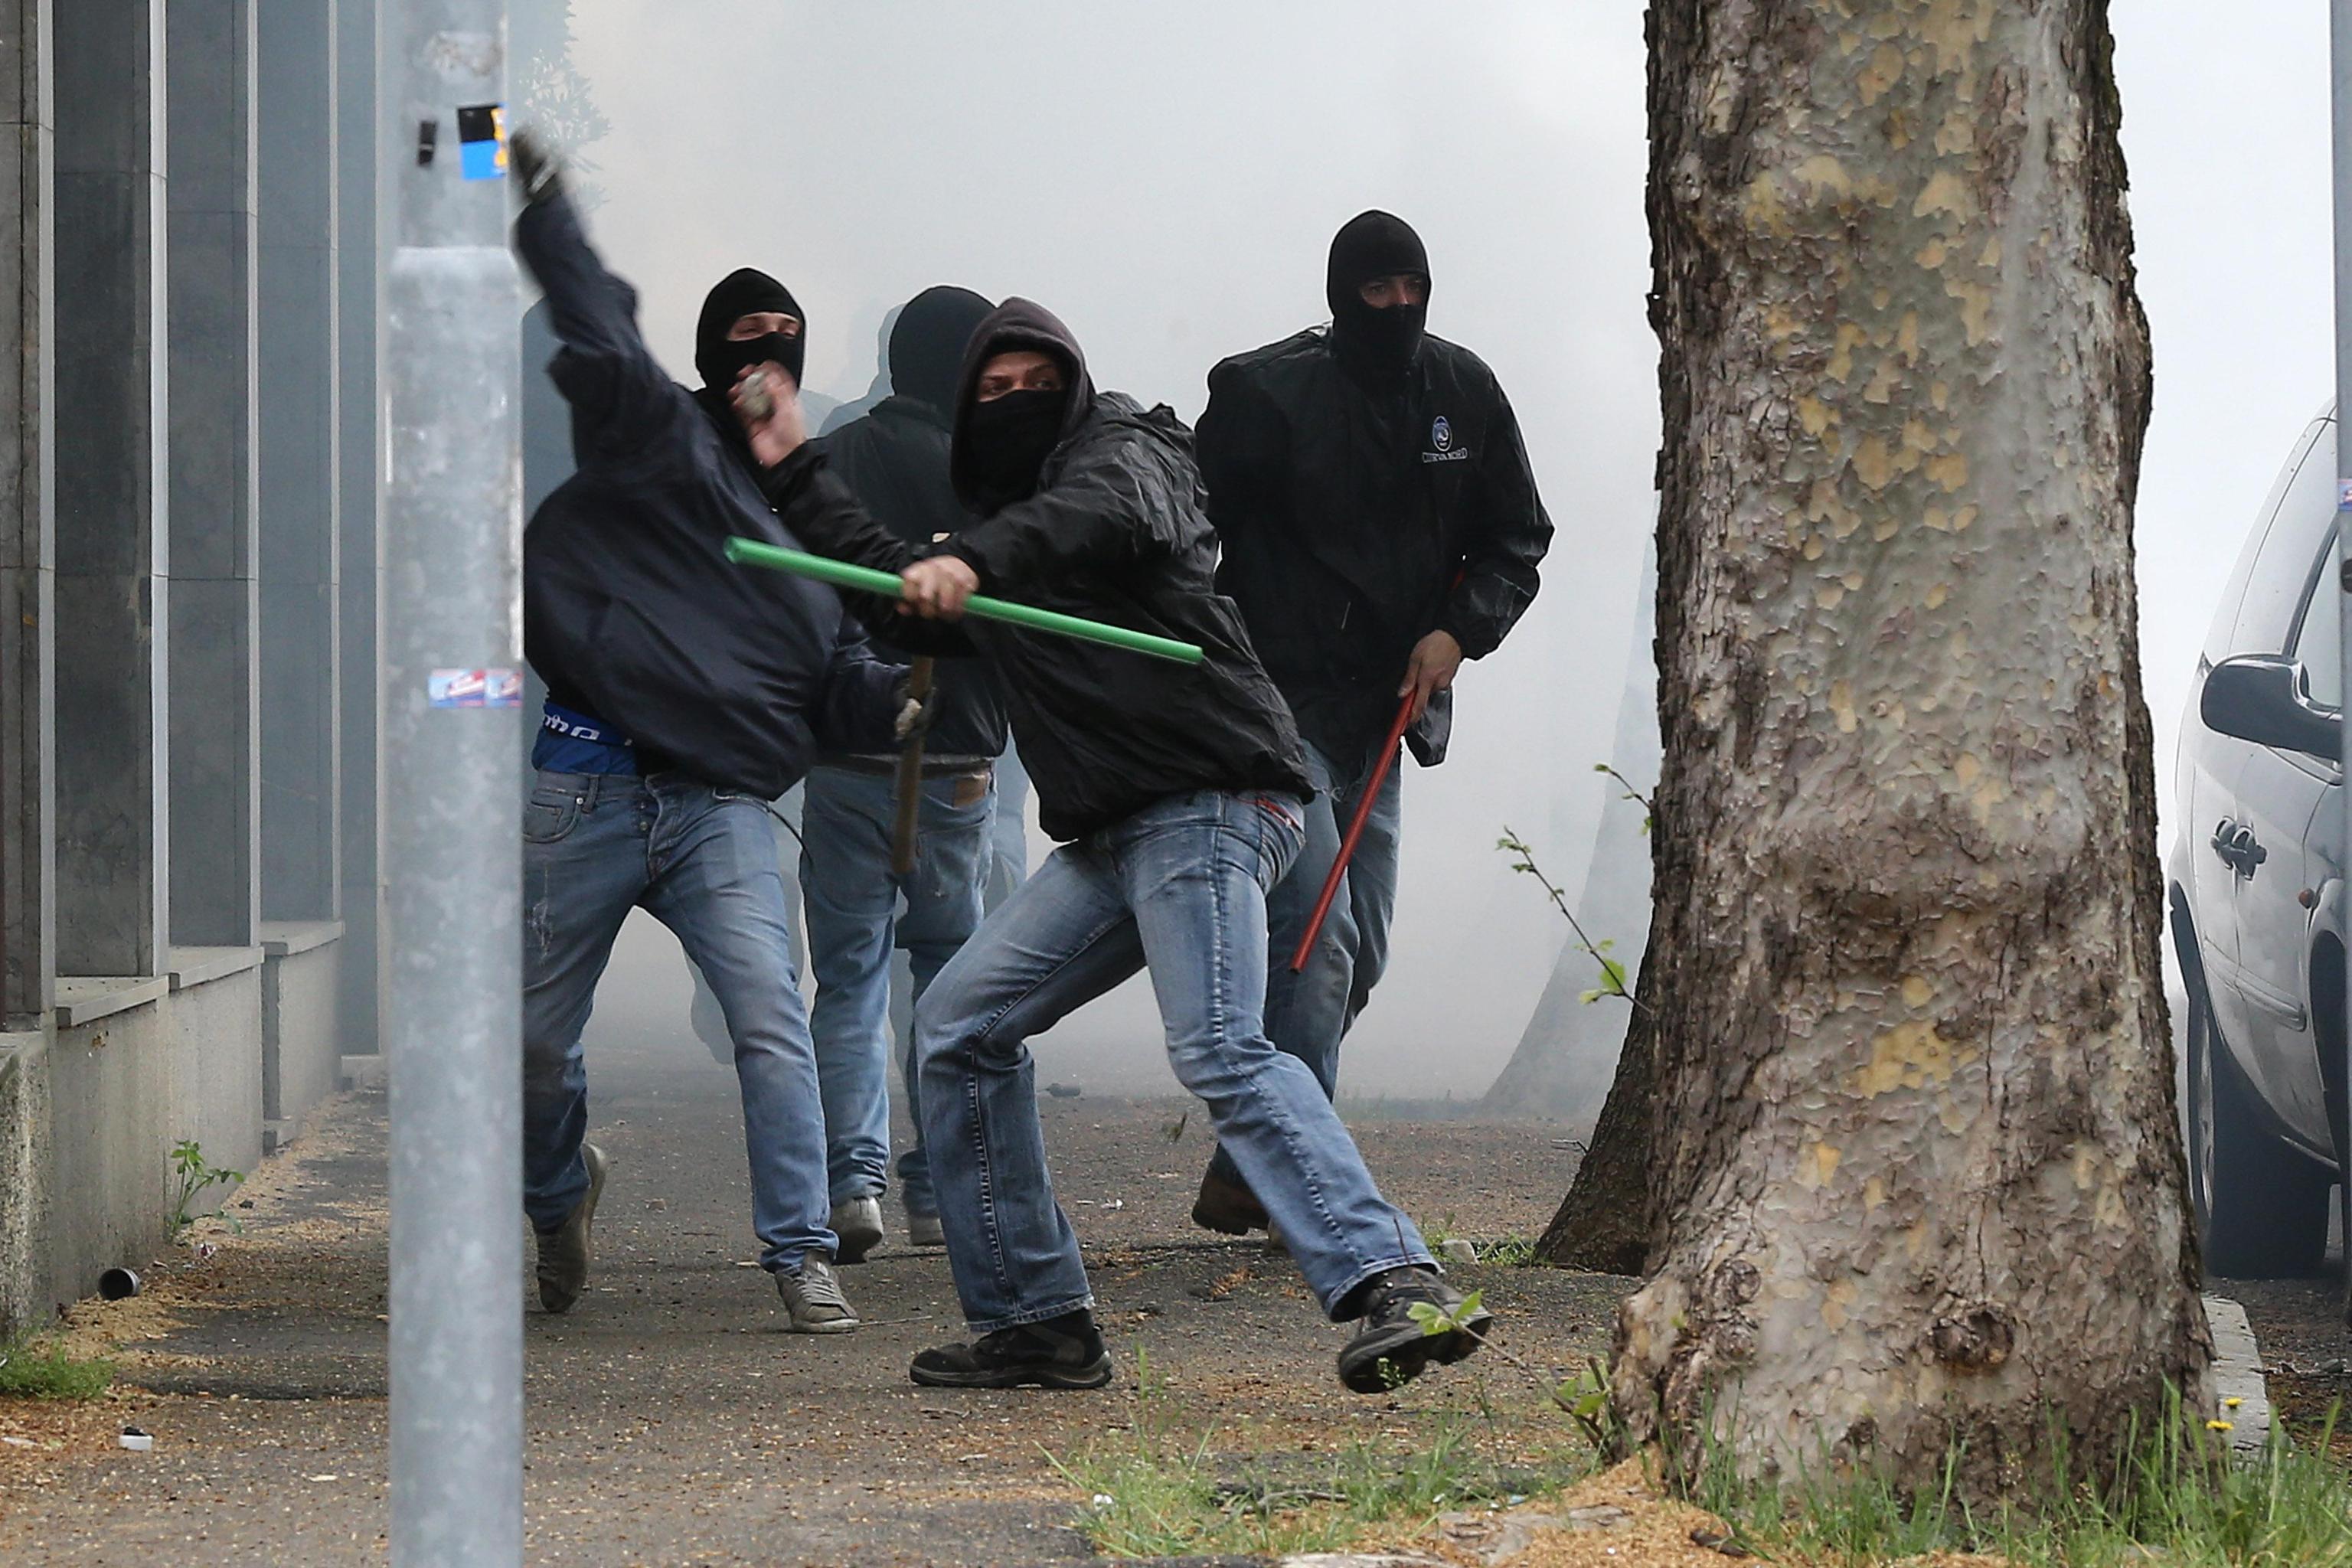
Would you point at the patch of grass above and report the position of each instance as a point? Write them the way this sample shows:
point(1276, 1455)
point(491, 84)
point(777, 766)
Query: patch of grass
point(27, 1373)
point(1157, 1492)
point(2179, 1496)
point(1511, 1252)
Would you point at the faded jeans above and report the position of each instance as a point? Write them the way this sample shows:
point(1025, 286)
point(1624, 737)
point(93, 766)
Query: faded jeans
point(1308, 1014)
point(703, 862)
point(1178, 888)
point(851, 901)
point(704, 1015)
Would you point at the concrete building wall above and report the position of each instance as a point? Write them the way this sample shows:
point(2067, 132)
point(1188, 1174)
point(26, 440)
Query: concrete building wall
point(301, 1060)
point(25, 1142)
point(215, 1012)
point(111, 1084)
point(214, 665)
point(359, 149)
point(302, 481)
point(27, 521)
point(108, 433)
point(188, 436)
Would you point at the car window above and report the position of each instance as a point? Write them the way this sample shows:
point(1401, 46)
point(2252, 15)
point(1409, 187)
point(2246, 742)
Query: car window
point(2316, 645)
point(2220, 641)
point(2274, 592)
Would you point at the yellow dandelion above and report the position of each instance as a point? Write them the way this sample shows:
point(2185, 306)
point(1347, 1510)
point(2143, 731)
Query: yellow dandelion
point(2232, 1402)
point(2220, 1425)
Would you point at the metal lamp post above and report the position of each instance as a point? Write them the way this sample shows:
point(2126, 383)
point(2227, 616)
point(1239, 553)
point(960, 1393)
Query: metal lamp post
point(452, 834)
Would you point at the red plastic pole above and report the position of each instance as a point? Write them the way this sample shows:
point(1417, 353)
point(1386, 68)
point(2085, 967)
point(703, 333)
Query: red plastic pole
point(1355, 831)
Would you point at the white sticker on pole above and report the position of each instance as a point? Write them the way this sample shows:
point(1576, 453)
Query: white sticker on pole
point(473, 688)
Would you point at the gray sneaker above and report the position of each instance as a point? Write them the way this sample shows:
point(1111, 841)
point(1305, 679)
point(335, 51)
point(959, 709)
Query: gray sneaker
point(565, 1252)
point(858, 1223)
point(811, 1294)
point(925, 1230)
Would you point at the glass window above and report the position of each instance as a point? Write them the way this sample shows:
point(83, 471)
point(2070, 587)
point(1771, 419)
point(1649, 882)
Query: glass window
point(2316, 644)
point(2306, 515)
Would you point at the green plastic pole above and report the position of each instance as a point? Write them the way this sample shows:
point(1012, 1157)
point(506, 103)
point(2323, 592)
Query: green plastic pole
point(842, 574)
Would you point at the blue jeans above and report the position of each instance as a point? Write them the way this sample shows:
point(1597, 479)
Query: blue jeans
point(704, 1015)
point(1009, 838)
point(853, 915)
point(703, 862)
point(1179, 886)
point(1308, 1014)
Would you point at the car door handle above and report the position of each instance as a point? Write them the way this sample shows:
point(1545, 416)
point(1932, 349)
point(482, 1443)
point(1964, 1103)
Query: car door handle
point(2251, 854)
point(2224, 842)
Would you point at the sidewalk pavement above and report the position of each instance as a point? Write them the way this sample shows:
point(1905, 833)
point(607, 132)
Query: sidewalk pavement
point(671, 1421)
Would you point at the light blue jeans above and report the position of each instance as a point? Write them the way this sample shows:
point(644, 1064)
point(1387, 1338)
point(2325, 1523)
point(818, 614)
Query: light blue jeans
point(703, 862)
point(1178, 888)
point(1009, 838)
point(1308, 1013)
point(853, 908)
point(704, 1015)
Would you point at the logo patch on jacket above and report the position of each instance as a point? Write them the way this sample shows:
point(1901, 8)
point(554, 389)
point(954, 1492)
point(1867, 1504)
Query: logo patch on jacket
point(1441, 438)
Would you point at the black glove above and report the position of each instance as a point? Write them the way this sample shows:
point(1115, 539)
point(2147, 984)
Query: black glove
point(537, 170)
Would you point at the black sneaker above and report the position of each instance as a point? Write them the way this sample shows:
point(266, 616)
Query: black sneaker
point(1390, 1348)
point(565, 1252)
point(1229, 1208)
point(1062, 1352)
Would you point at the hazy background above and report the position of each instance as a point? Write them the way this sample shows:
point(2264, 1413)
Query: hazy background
point(1167, 179)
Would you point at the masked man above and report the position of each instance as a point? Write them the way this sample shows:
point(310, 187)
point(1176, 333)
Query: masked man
point(1177, 791)
point(681, 697)
point(1380, 525)
point(893, 458)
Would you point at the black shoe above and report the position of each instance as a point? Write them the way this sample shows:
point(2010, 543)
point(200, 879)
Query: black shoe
point(1392, 1349)
point(1061, 1352)
point(1230, 1208)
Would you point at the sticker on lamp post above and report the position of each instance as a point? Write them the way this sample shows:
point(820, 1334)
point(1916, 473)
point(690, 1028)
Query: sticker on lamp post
point(473, 689)
point(482, 142)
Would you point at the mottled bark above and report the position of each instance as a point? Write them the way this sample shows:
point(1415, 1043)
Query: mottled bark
point(1913, 1153)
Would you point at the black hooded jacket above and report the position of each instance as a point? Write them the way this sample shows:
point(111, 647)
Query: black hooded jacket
point(1346, 503)
point(895, 461)
point(631, 611)
point(1115, 532)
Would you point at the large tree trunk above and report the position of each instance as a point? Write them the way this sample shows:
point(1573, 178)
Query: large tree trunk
point(1914, 1160)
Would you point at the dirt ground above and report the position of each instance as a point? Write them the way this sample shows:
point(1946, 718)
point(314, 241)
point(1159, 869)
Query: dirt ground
point(671, 1421)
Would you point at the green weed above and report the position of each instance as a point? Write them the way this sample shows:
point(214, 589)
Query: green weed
point(27, 1373)
point(1613, 973)
point(192, 1176)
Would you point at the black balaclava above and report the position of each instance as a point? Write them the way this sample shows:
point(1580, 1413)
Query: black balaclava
point(1375, 245)
point(1001, 447)
point(743, 292)
point(1008, 439)
point(927, 344)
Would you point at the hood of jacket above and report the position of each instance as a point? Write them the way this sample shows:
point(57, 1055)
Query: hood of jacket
point(1014, 325)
